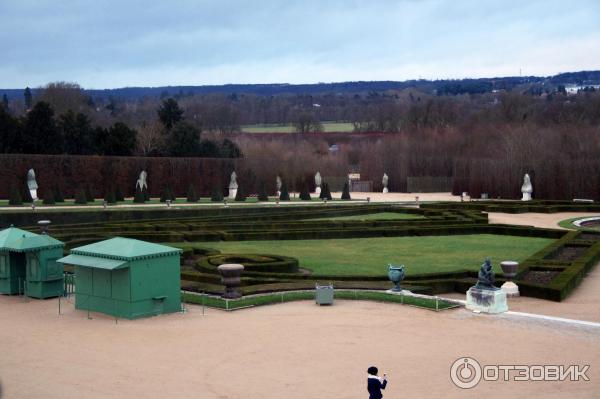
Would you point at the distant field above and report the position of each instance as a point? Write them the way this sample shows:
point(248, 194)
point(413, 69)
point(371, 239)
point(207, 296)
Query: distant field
point(327, 127)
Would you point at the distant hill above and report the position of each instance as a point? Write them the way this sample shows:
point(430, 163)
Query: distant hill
point(450, 87)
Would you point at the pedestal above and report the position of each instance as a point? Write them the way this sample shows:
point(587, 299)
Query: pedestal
point(486, 301)
point(510, 288)
point(232, 193)
point(526, 197)
point(318, 190)
point(385, 190)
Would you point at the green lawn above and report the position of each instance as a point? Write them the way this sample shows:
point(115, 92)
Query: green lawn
point(327, 127)
point(377, 216)
point(370, 256)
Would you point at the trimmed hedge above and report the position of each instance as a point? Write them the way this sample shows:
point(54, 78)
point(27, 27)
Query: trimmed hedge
point(251, 262)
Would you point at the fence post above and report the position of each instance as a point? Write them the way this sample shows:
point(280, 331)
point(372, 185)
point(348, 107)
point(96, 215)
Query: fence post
point(59, 295)
point(203, 303)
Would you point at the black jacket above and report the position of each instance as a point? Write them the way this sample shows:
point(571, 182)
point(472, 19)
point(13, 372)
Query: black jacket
point(374, 386)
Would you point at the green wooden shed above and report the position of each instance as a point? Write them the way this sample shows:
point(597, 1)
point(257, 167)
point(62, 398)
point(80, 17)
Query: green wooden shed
point(126, 278)
point(28, 264)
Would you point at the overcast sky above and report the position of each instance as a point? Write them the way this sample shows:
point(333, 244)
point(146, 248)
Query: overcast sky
point(117, 43)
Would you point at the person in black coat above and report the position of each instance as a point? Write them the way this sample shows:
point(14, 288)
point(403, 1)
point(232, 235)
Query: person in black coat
point(375, 384)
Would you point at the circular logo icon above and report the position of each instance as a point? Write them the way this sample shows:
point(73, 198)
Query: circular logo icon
point(465, 372)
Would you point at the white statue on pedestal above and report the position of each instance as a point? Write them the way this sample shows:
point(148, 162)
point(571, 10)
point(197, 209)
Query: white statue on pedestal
point(32, 184)
point(384, 181)
point(318, 183)
point(233, 186)
point(278, 184)
point(526, 188)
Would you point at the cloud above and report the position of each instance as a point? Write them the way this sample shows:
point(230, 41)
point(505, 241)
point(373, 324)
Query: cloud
point(125, 43)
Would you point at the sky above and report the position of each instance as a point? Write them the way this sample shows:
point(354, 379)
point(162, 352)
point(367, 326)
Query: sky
point(121, 43)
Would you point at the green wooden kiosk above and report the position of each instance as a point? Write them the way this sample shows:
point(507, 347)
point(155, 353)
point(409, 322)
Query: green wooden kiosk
point(126, 278)
point(28, 264)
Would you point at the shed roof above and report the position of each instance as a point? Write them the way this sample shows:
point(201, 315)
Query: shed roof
point(125, 249)
point(93, 261)
point(17, 240)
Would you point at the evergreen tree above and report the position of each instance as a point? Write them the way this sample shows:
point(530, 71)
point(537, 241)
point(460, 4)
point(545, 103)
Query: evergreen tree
point(239, 195)
point(184, 140)
point(140, 196)
point(119, 195)
point(80, 197)
point(27, 97)
point(58, 195)
point(346, 192)
point(77, 132)
point(10, 133)
point(40, 133)
point(217, 195)
point(48, 197)
point(169, 113)
point(285, 195)
point(192, 195)
point(262, 192)
point(119, 139)
point(15, 196)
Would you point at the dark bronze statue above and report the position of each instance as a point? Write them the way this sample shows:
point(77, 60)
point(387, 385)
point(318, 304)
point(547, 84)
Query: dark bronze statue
point(485, 278)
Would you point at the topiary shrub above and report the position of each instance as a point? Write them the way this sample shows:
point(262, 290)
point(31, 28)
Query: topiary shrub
point(58, 195)
point(217, 195)
point(109, 197)
point(239, 195)
point(140, 196)
point(346, 192)
point(80, 197)
point(166, 194)
point(48, 197)
point(89, 196)
point(262, 192)
point(15, 196)
point(285, 195)
point(305, 193)
point(325, 193)
point(251, 262)
point(119, 195)
point(192, 194)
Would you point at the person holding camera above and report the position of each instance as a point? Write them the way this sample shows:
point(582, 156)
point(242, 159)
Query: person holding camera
point(375, 383)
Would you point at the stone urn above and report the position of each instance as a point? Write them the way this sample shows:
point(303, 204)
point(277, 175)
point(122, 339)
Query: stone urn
point(396, 275)
point(231, 279)
point(509, 269)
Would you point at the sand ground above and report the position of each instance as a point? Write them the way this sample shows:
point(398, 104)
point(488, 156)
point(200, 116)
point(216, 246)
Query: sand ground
point(294, 350)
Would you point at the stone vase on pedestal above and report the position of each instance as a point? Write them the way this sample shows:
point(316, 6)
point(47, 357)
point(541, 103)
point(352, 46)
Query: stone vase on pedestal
point(509, 269)
point(231, 279)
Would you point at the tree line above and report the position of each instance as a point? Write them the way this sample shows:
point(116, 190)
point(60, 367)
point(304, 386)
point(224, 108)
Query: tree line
point(38, 130)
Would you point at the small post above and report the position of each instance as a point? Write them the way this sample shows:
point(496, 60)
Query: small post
point(168, 203)
point(33, 205)
point(59, 295)
point(104, 204)
point(226, 304)
point(202, 303)
point(282, 297)
point(417, 200)
point(225, 203)
point(436, 303)
point(368, 200)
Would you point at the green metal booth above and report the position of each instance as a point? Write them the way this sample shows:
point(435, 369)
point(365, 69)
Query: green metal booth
point(126, 278)
point(28, 264)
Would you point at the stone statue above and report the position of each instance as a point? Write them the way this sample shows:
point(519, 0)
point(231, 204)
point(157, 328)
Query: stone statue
point(278, 184)
point(485, 277)
point(233, 180)
point(233, 186)
point(141, 181)
point(526, 188)
point(32, 184)
point(318, 182)
point(384, 181)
